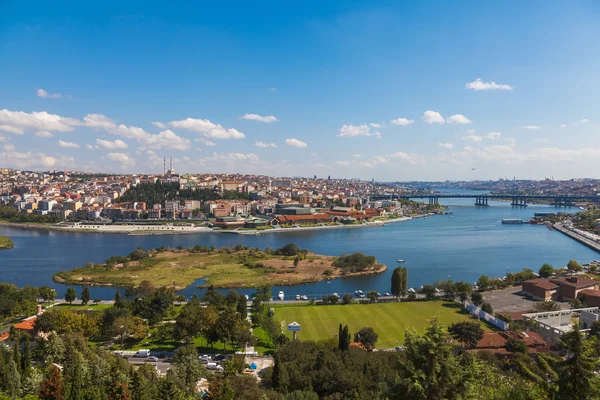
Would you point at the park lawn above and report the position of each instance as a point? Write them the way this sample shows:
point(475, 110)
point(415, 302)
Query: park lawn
point(6, 243)
point(87, 307)
point(389, 320)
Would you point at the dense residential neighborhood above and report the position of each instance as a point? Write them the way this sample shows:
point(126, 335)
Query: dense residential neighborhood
point(228, 201)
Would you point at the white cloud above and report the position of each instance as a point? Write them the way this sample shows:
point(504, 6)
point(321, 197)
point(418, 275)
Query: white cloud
point(473, 138)
point(478, 84)
point(37, 121)
point(511, 141)
point(260, 118)
point(44, 134)
point(432, 117)
point(166, 138)
point(89, 147)
point(265, 145)
point(205, 142)
point(402, 121)
point(11, 129)
point(234, 157)
point(207, 129)
point(159, 124)
point(398, 156)
point(9, 147)
point(446, 145)
point(343, 163)
point(563, 125)
point(377, 126)
point(356, 155)
point(68, 145)
point(532, 127)
point(47, 161)
point(273, 90)
point(107, 144)
point(458, 119)
point(584, 121)
point(355, 130)
point(470, 131)
point(295, 143)
point(122, 158)
point(3, 139)
point(44, 94)
point(493, 135)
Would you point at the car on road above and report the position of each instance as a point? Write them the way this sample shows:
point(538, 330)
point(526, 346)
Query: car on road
point(152, 359)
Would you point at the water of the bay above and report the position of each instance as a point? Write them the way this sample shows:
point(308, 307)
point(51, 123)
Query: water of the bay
point(470, 242)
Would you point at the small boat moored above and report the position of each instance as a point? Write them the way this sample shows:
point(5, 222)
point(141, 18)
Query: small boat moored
point(280, 295)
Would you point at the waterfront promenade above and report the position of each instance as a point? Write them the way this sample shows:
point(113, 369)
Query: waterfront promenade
point(573, 234)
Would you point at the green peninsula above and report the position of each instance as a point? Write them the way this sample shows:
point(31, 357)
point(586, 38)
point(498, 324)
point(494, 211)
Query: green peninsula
point(6, 243)
point(223, 268)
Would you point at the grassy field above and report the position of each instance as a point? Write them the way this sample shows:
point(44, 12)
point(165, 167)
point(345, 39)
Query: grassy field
point(6, 243)
point(78, 307)
point(231, 269)
point(389, 320)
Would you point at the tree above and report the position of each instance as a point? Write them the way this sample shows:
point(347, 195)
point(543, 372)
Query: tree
point(70, 295)
point(187, 368)
point(343, 338)
point(85, 295)
point(516, 345)
point(428, 291)
point(372, 296)
point(296, 261)
point(52, 385)
point(546, 271)
point(347, 298)
point(119, 303)
point(577, 377)
point(547, 306)
point(432, 368)
point(487, 307)
point(396, 282)
point(463, 289)
point(367, 337)
point(483, 282)
point(468, 333)
point(477, 298)
point(47, 293)
point(574, 266)
point(225, 327)
point(595, 329)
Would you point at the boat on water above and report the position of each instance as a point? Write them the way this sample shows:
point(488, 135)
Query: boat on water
point(281, 295)
point(400, 260)
point(513, 221)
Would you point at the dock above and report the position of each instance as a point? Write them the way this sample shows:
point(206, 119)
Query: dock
point(580, 238)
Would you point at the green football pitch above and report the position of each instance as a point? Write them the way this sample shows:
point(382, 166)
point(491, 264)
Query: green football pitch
point(389, 320)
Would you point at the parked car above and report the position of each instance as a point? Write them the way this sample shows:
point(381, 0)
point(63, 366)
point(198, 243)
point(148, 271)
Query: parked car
point(205, 358)
point(214, 367)
point(218, 357)
point(152, 359)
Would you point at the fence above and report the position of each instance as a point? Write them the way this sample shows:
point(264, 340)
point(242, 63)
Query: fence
point(478, 312)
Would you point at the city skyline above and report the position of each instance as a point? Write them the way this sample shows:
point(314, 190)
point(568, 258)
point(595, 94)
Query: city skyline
point(384, 91)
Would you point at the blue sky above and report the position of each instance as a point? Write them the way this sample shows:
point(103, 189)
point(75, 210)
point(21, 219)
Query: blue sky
point(390, 90)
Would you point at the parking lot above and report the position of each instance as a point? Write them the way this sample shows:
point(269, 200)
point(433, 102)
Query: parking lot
point(511, 300)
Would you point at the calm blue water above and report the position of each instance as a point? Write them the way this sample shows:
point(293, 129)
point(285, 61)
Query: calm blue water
point(470, 244)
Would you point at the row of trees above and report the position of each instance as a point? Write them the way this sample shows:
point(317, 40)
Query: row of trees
point(11, 214)
point(159, 192)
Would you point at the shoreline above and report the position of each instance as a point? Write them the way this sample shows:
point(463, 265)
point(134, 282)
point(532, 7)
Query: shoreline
point(138, 230)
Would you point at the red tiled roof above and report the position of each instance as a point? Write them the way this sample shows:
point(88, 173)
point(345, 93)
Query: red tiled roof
point(27, 324)
point(590, 292)
point(543, 283)
point(581, 281)
point(491, 340)
point(311, 217)
point(4, 336)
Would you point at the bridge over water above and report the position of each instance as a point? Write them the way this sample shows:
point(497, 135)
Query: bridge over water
point(482, 199)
